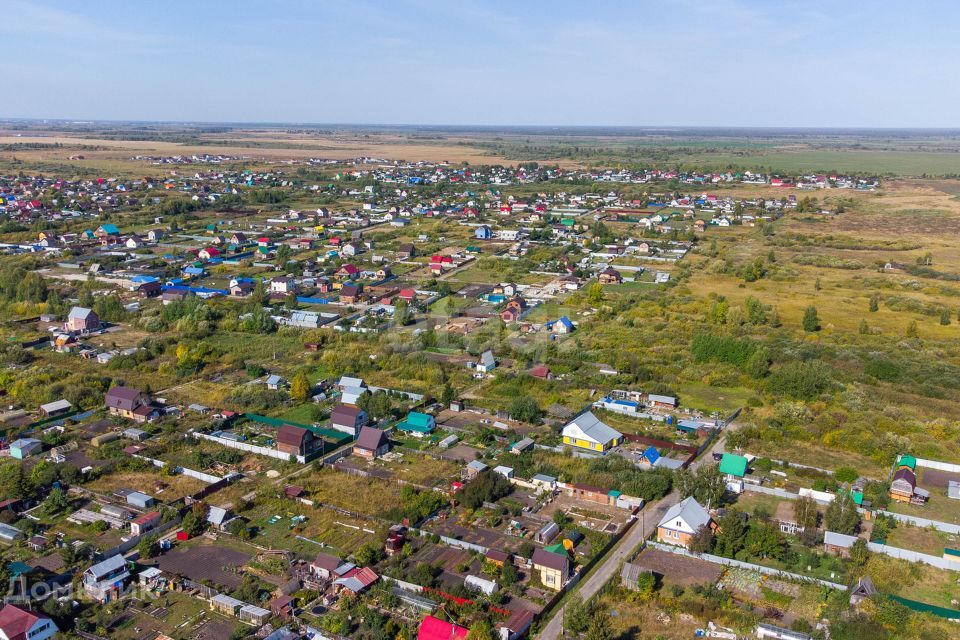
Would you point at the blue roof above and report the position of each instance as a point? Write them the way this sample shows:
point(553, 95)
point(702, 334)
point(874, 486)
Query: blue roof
point(651, 454)
point(144, 279)
point(688, 425)
point(565, 321)
point(110, 228)
point(193, 271)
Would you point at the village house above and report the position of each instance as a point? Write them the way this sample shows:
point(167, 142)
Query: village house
point(682, 521)
point(609, 276)
point(82, 320)
point(20, 623)
point(130, 403)
point(283, 285)
point(348, 418)
point(418, 424)
point(347, 272)
point(372, 443)
point(106, 580)
point(297, 441)
point(406, 251)
point(586, 431)
point(144, 523)
point(514, 310)
point(554, 567)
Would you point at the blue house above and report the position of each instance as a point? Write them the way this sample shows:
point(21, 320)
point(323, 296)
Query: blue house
point(651, 455)
point(108, 230)
point(193, 272)
point(483, 233)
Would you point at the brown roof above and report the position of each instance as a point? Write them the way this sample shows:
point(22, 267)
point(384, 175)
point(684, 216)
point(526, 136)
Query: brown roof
point(124, 398)
point(371, 438)
point(346, 412)
point(291, 435)
point(327, 561)
point(906, 474)
point(550, 560)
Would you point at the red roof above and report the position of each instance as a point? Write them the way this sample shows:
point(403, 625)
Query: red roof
point(147, 517)
point(436, 629)
point(17, 621)
point(349, 268)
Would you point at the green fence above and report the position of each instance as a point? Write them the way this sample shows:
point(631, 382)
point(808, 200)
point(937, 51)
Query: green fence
point(338, 438)
point(923, 607)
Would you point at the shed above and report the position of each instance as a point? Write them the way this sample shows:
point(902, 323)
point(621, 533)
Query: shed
point(140, 500)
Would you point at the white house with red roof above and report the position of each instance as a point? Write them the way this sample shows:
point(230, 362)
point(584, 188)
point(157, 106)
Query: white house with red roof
point(18, 623)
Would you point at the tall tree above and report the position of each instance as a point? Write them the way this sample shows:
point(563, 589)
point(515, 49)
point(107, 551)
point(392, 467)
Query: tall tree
point(300, 387)
point(841, 515)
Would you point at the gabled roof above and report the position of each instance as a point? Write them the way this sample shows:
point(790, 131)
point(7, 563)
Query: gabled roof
point(733, 465)
point(371, 438)
point(838, 539)
point(16, 622)
point(436, 629)
point(107, 566)
point(551, 560)
point(291, 435)
point(80, 313)
point(593, 428)
point(689, 511)
point(327, 562)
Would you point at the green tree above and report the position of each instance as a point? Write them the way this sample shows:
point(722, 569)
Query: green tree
point(56, 502)
point(945, 317)
point(599, 628)
point(864, 328)
point(707, 485)
point(448, 395)
point(874, 302)
point(731, 531)
point(300, 387)
point(841, 515)
point(147, 547)
point(525, 409)
point(859, 553)
point(482, 630)
point(401, 313)
point(816, 285)
point(811, 321)
point(576, 615)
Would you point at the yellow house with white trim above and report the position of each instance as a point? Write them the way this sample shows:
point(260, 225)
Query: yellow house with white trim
point(586, 431)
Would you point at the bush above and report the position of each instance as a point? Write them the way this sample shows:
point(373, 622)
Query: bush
point(800, 380)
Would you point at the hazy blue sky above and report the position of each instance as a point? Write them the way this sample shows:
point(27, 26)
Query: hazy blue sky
point(641, 62)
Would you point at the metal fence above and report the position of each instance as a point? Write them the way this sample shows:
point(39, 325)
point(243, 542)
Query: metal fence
point(914, 556)
point(730, 562)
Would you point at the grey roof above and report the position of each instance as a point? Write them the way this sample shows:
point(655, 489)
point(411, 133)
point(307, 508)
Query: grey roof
point(487, 359)
point(80, 312)
point(347, 381)
point(56, 405)
point(217, 515)
point(226, 601)
point(476, 465)
point(668, 463)
point(593, 427)
point(688, 510)
point(274, 380)
point(8, 532)
point(107, 566)
point(838, 539)
point(664, 399)
point(544, 478)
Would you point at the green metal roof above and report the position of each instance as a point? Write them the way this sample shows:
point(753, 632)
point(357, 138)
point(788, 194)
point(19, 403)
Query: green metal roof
point(558, 548)
point(907, 460)
point(416, 421)
point(952, 552)
point(733, 465)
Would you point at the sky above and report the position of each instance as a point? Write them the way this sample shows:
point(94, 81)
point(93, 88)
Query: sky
point(749, 63)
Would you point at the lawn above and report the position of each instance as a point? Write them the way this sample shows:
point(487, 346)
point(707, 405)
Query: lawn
point(923, 540)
